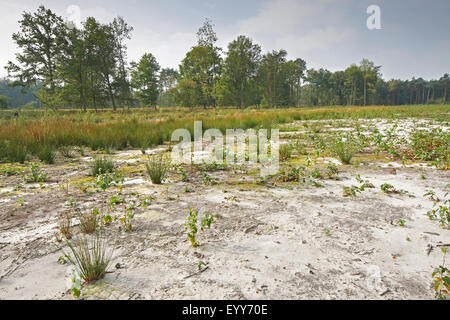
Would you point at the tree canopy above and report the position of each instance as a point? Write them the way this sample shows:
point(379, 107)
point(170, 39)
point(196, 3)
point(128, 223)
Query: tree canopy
point(61, 65)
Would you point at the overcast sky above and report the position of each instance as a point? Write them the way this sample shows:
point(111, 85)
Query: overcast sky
point(414, 39)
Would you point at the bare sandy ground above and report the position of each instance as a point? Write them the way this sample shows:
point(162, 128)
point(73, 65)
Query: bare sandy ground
point(274, 241)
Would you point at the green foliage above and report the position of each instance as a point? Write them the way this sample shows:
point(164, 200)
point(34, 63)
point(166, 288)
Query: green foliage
point(105, 180)
point(89, 220)
point(157, 167)
point(91, 257)
point(191, 225)
point(102, 166)
point(344, 146)
point(285, 152)
point(144, 79)
point(441, 279)
point(47, 154)
point(441, 209)
point(36, 174)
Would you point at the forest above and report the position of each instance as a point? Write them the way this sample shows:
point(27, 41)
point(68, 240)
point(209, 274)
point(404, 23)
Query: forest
point(65, 66)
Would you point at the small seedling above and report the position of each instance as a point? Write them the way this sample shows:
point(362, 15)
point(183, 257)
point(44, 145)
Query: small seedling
point(441, 279)
point(191, 225)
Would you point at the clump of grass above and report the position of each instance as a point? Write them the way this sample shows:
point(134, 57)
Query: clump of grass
point(66, 152)
point(90, 257)
point(285, 152)
point(89, 221)
point(13, 152)
point(157, 169)
point(65, 226)
point(102, 165)
point(47, 154)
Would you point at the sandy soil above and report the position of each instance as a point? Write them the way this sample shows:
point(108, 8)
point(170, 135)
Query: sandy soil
point(273, 241)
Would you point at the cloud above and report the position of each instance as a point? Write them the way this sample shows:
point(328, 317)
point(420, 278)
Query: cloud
point(169, 50)
point(298, 27)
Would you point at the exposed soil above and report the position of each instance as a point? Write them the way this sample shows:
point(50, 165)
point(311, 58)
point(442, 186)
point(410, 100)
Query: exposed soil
point(271, 241)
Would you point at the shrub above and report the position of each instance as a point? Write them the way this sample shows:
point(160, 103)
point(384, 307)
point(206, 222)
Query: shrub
point(91, 257)
point(157, 169)
point(101, 166)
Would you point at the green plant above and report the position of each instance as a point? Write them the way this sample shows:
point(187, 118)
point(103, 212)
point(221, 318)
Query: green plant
point(115, 200)
point(441, 279)
point(66, 152)
point(351, 191)
point(89, 221)
point(126, 221)
point(344, 146)
point(207, 179)
point(387, 188)
point(107, 179)
point(285, 152)
point(36, 175)
point(47, 154)
point(184, 176)
point(191, 225)
point(441, 209)
point(401, 222)
point(91, 257)
point(65, 225)
point(157, 168)
point(21, 202)
point(102, 166)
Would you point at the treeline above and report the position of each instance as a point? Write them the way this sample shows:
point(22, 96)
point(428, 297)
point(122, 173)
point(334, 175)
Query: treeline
point(16, 97)
point(87, 67)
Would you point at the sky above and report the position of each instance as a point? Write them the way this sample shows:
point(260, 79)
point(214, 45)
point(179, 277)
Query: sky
point(413, 41)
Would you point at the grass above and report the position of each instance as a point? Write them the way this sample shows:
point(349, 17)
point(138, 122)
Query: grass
point(35, 130)
point(157, 167)
point(89, 221)
point(101, 166)
point(90, 256)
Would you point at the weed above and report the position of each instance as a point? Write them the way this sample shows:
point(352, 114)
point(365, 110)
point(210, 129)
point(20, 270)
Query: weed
point(66, 152)
point(157, 169)
point(102, 166)
point(285, 152)
point(441, 279)
point(107, 179)
point(115, 200)
point(191, 225)
point(401, 222)
point(89, 221)
point(441, 209)
point(344, 146)
point(47, 154)
point(65, 226)
point(36, 175)
point(91, 257)
point(126, 221)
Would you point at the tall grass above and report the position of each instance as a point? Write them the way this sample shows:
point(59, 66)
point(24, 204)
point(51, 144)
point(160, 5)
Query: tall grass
point(90, 256)
point(157, 167)
point(142, 128)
